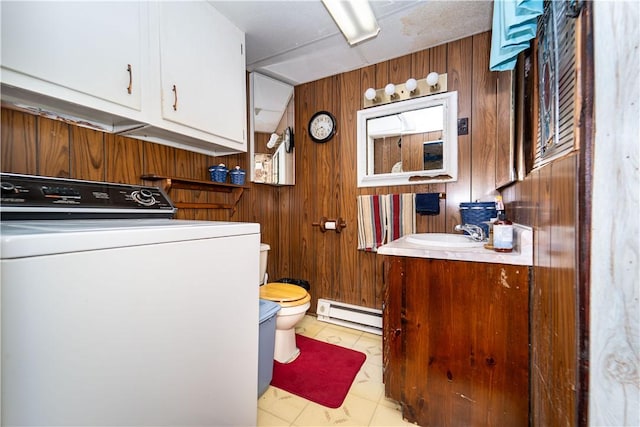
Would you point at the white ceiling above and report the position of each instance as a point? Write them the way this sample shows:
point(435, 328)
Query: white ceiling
point(298, 42)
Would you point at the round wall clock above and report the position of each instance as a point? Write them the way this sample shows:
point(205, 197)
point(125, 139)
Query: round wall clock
point(288, 139)
point(322, 126)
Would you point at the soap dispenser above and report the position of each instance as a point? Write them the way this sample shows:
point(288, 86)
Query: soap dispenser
point(502, 230)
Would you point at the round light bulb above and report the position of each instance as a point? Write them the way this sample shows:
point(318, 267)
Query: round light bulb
point(273, 140)
point(411, 84)
point(432, 78)
point(390, 89)
point(370, 94)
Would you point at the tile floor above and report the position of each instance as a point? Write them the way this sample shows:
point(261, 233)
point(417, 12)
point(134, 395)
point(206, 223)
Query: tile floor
point(365, 405)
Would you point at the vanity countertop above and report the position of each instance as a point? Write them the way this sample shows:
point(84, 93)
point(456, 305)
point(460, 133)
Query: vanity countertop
point(522, 253)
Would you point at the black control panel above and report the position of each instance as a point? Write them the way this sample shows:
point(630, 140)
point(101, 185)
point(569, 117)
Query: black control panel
point(38, 197)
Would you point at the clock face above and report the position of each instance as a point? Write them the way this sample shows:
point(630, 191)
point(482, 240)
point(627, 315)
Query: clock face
point(322, 126)
point(288, 140)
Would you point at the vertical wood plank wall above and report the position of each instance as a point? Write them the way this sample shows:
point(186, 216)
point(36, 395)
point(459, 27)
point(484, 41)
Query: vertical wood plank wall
point(325, 173)
point(326, 178)
point(547, 201)
point(326, 186)
point(551, 200)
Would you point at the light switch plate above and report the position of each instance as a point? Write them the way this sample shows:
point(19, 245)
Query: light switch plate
point(463, 126)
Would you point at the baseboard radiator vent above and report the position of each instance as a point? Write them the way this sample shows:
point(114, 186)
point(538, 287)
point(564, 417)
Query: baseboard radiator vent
point(350, 316)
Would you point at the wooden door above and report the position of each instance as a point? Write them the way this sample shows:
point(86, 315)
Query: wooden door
point(392, 356)
point(463, 353)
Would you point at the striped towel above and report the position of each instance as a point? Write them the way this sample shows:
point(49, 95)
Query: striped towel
point(400, 215)
point(384, 218)
point(371, 222)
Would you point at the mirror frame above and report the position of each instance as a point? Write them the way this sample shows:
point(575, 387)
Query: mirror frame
point(449, 172)
point(508, 150)
point(286, 159)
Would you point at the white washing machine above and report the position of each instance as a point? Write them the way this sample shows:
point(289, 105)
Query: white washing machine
point(114, 314)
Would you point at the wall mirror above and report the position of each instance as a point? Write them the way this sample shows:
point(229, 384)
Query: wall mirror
point(409, 142)
point(271, 120)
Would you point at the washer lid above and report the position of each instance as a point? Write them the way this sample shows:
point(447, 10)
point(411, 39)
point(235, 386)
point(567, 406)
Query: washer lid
point(282, 292)
point(19, 239)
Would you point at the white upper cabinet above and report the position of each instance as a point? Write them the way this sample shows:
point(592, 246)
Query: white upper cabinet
point(89, 53)
point(167, 72)
point(202, 70)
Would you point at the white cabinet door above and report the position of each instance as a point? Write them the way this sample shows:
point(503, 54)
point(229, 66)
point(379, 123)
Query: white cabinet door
point(83, 52)
point(202, 66)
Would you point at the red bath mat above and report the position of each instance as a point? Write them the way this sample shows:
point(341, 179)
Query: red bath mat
point(323, 373)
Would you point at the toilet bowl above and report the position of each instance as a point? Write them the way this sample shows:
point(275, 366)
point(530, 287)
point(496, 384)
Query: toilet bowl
point(294, 302)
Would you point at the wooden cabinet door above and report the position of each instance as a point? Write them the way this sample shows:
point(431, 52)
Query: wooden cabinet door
point(464, 332)
point(392, 356)
point(202, 65)
point(83, 52)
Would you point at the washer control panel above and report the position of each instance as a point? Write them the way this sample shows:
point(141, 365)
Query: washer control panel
point(35, 197)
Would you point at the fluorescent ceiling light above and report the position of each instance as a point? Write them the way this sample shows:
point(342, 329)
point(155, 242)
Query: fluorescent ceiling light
point(354, 18)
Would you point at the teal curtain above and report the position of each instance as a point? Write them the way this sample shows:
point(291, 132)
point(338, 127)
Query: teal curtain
point(514, 25)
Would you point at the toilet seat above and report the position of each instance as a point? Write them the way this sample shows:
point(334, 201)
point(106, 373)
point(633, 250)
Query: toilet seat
point(285, 294)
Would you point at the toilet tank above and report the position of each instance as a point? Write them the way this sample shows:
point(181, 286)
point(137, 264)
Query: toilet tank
point(264, 252)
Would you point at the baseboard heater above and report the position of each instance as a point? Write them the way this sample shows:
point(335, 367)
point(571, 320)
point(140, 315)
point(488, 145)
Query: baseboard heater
point(350, 316)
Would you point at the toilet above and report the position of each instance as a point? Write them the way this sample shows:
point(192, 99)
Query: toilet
point(294, 302)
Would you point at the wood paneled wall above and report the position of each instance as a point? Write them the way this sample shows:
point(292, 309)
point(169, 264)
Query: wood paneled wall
point(554, 200)
point(326, 186)
point(325, 173)
point(42, 146)
point(547, 201)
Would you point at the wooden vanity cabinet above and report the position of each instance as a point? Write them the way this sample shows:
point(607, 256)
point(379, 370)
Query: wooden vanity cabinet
point(456, 341)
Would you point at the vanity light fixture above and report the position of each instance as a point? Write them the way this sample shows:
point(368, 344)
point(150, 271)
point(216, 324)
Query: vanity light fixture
point(432, 80)
point(390, 90)
point(354, 18)
point(370, 94)
point(412, 88)
point(411, 85)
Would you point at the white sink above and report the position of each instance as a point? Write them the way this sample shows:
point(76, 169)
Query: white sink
point(458, 247)
point(443, 240)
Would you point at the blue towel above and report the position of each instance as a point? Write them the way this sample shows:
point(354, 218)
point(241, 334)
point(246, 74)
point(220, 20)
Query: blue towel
point(428, 203)
point(514, 24)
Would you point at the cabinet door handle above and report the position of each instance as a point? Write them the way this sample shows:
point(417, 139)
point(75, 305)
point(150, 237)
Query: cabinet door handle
point(130, 79)
point(397, 332)
point(175, 98)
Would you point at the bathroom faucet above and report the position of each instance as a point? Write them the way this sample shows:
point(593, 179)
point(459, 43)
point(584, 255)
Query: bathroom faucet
point(475, 232)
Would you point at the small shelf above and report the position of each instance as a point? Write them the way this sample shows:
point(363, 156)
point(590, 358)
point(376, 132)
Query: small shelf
point(170, 182)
